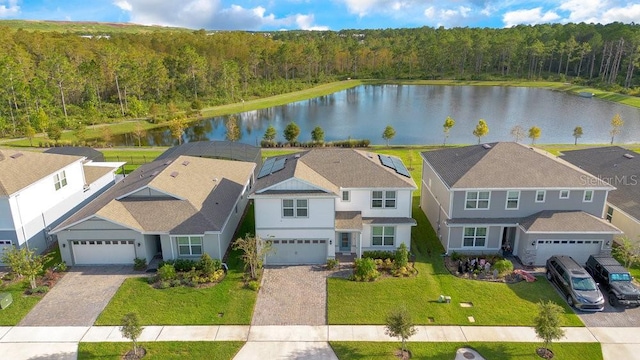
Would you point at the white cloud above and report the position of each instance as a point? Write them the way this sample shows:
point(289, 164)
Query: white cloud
point(443, 15)
point(628, 14)
point(529, 17)
point(9, 8)
point(124, 5)
point(305, 22)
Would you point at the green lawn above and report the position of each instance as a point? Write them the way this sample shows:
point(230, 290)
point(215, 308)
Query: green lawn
point(446, 351)
point(162, 350)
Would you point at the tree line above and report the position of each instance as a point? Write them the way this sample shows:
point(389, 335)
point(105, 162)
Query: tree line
point(51, 81)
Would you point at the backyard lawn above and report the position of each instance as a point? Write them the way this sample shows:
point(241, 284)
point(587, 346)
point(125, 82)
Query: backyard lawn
point(221, 350)
point(446, 351)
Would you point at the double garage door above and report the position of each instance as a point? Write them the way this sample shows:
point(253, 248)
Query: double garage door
point(297, 252)
point(103, 252)
point(579, 250)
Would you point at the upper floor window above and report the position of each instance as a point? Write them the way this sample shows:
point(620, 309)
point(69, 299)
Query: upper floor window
point(609, 213)
point(346, 196)
point(295, 208)
point(383, 199)
point(383, 235)
point(588, 196)
point(60, 180)
point(540, 195)
point(564, 194)
point(474, 237)
point(513, 198)
point(477, 200)
point(189, 245)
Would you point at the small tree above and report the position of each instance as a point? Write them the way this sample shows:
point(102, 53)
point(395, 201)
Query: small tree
point(517, 132)
point(233, 130)
point(176, 127)
point(254, 250)
point(270, 134)
point(54, 132)
point(401, 256)
point(29, 133)
point(534, 134)
point(547, 323)
point(400, 325)
point(291, 132)
point(482, 129)
point(317, 135)
point(139, 132)
point(577, 133)
point(107, 134)
point(25, 262)
point(616, 124)
point(626, 251)
point(448, 124)
point(388, 134)
point(131, 329)
point(80, 132)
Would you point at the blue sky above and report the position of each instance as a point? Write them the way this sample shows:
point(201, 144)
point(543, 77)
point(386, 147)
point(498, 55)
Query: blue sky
point(271, 15)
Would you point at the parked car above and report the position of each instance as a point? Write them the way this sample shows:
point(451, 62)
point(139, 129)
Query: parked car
point(615, 279)
point(575, 283)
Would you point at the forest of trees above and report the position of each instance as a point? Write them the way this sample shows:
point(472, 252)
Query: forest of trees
point(63, 80)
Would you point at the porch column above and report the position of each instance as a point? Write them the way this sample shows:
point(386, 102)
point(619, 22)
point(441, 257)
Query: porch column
point(359, 245)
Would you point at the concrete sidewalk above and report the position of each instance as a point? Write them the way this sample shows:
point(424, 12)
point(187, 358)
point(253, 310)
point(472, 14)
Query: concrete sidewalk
point(617, 343)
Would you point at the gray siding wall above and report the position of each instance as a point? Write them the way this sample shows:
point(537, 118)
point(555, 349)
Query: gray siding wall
point(438, 188)
point(9, 235)
point(435, 214)
point(527, 205)
point(209, 246)
point(6, 219)
point(492, 245)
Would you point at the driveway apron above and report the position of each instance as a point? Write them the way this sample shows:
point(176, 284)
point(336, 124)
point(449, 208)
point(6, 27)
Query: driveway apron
point(292, 295)
point(79, 297)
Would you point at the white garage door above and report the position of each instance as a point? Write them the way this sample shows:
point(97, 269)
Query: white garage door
point(579, 250)
point(103, 252)
point(297, 252)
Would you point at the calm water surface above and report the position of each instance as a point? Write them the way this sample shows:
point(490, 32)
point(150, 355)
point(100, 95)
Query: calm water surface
point(417, 113)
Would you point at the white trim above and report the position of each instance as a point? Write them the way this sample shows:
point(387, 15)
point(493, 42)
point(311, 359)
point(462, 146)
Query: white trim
point(481, 225)
point(148, 186)
point(564, 197)
point(544, 196)
point(506, 203)
point(342, 192)
point(383, 236)
point(477, 200)
point(384, 199)
point(584, 196)
point(298, 179)
point(294, 208)
point(475, 237)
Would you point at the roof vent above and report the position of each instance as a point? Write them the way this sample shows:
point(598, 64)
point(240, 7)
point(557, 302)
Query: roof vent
point(486, 146)
point(16, 155)
point(628, 156)
point(297, 156)
point(155, 173)
point(174, 174)
point(215, 179)
point(185, 163)
point(168, 162)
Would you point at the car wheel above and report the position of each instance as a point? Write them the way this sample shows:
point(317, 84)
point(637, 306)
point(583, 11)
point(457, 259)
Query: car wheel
point(570, 300)
point(549, 276)
point(613, 300)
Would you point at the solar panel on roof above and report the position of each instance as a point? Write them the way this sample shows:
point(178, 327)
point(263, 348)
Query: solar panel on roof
point(400, 168)
point(386, 161)
point(278, 165)
point(266, 167)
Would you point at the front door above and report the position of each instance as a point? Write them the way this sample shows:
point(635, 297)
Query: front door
point(508, 238)
point(345, 242)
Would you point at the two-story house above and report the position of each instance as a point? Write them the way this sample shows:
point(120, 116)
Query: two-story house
point(507, 197)
point(322, 202)
point(37, 191)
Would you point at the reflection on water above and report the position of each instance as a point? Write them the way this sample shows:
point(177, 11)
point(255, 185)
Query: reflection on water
point(417, 113)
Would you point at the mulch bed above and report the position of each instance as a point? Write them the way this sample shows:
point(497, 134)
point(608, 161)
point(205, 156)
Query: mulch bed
point(452, 266)
point(131, 355)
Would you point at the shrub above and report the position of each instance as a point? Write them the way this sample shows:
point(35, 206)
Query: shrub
point(253, 285)
point(175, 282)
point(167, 272)
point(139, 264)
point(503, 266)
point(38, 290)
point(402, 256)
point(184, 265)
point(365, 270)
point(332, 264)
point(208, 265)
point(152, 280)
point(61, 267)
point(163, 285)
point(387, 264)
point(378, 254)
point(455, 256)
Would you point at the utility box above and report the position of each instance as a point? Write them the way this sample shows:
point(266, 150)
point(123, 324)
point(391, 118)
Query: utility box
point(5, 300)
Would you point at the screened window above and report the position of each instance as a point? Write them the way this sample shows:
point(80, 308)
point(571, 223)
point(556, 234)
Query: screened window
point(189, 245)
point(513, 198)
point(477, 200)
point(346, 196)
point(60, 180)
point(609, 213)
point(540, 195)
point(564, 194)
point(295, 208)
point(383, 235)
point(474, 237)
point(383, 199)
point(588, 196)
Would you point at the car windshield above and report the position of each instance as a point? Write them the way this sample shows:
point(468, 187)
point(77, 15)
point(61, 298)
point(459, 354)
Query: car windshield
point(583, 284)
point(620, 277)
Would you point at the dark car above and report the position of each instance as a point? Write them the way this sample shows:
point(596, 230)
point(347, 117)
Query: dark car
point(615, 279)
point(575, 283)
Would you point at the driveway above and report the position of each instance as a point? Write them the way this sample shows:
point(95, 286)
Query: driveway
point(611, 316)
point(292, 295)
point(79, 297)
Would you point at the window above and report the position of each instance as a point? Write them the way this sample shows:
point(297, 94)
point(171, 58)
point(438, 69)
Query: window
point(189, 245)
point(474, 237)
point(588, 196)
point(564, 194)
point(295, 208)
point(477, 200)
point(540, 194)
point(383, 235)
point(60, 180)
point(609, 213)
point(345, 195)
point(5, 244)
point(383, 199)
point(513, 198)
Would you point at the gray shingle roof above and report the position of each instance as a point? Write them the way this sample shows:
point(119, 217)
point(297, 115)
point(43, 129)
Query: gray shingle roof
point(88, 152)
point(334, 168)
point(610, 164)
point(566, 222)
point(348, 220)
point(506, 165)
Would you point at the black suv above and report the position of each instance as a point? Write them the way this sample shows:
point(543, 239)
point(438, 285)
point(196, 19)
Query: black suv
point(615, 279)
point(575, 283)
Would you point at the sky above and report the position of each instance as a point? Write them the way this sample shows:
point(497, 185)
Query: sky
point(273, 15)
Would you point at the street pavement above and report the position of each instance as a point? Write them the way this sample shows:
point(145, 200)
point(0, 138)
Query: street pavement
point(293, 342)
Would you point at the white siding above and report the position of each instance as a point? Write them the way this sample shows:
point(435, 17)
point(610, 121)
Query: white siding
point(269, 214)
point(361, 201)
point(294, 184)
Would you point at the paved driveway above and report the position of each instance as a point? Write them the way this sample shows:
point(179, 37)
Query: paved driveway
point(611, 316)
point(292, 295)
point(79, 297)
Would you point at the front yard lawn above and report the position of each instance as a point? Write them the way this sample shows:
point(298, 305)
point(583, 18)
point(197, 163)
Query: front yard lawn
point(446, 351)
point(21, 305)
point(162, 350)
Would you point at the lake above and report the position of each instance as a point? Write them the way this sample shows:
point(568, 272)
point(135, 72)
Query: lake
point(417, 113)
